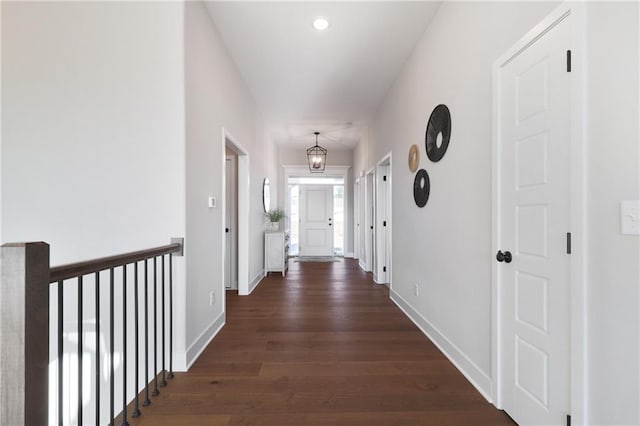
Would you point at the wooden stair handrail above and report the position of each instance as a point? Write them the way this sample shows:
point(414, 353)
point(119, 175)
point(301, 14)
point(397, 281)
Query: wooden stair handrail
point(72, 270)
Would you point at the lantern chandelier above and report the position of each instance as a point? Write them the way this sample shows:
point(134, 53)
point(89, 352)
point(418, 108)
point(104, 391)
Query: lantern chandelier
point(317, 157)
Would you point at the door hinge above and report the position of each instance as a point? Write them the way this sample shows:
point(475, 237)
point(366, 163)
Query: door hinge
point(568, 242)
point(568, 60)
point(384, 223)
point(384, 269)
point(384, 178)
point(568, 419)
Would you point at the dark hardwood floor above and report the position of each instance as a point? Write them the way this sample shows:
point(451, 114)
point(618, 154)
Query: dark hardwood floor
point(323, 346)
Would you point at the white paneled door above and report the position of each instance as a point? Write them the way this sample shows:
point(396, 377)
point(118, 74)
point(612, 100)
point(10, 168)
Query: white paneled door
point(534, 219)
point(316, 220)
point(230, 268)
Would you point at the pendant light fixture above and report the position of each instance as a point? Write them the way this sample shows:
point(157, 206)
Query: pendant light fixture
point(317, 157)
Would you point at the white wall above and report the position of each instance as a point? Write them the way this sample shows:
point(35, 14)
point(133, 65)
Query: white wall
point(452, 65)
point(613, 259)
point(98, 99)
point(93, 137)
point(216, 97)
point(361, 155)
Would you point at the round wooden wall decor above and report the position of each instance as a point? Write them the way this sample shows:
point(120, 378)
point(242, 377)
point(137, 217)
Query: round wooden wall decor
point(414, 158)
point(421, 188)
point(438, 133)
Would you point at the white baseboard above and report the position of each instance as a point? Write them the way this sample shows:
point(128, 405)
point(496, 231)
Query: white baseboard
point(361, 265)
point(204, 339)
point(375, 280)
point(256, 280)
point(381, 283)
point(480, 380)
point(349, 255)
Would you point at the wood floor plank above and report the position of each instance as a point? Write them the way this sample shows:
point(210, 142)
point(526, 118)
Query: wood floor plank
point(323, 346)
point(426, 418)
point(427, 383)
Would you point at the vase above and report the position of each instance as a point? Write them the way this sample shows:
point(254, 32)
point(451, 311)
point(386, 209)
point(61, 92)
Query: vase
point(275, 226)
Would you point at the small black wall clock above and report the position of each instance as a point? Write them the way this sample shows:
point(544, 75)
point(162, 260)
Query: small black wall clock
point(438, 133)
point(421, 188)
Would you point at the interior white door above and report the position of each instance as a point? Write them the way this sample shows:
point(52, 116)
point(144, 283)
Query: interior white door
point(383, 224)
point(369, 225)
point(316, 217)
point(534, 219)
point(356, 219)
point(362, 201)
point(230, 281)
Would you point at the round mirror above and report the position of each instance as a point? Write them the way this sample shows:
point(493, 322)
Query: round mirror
point(266, 195)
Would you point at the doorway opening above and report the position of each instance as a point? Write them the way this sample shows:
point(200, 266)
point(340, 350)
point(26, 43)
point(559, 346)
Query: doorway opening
point(316, 216)
point(231, 220)
point(238, 220)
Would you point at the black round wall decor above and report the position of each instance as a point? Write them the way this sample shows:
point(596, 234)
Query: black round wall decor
point(438, 133)
point(421, 188)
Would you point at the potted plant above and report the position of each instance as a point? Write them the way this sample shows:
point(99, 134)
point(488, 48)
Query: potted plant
point(275, 216)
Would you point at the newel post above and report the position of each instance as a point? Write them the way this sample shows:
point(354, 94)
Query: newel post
point(24, 333)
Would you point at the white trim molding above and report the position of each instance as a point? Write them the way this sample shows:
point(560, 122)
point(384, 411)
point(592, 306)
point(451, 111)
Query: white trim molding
point(303, 170)
point(480, 380)
point(200, 344)
point(362, 265)
point(256, 280)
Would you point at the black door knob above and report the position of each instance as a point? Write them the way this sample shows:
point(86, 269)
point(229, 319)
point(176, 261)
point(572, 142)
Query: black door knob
point(226, 229)
point(504, 257)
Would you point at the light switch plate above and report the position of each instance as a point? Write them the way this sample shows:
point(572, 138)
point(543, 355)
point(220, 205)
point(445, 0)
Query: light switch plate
point(630, 217)
point(212, 202)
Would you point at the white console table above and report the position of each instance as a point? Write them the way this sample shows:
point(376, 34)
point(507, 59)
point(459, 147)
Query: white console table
point(276, 252)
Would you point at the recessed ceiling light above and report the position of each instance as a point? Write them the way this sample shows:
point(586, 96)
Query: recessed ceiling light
point(320, 24)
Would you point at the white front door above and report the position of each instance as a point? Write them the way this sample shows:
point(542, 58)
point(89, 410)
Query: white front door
point(316, 220)
point(533, 222)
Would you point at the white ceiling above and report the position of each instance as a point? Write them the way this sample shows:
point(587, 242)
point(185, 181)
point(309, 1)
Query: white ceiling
point(305, 80)
point(333, 135)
